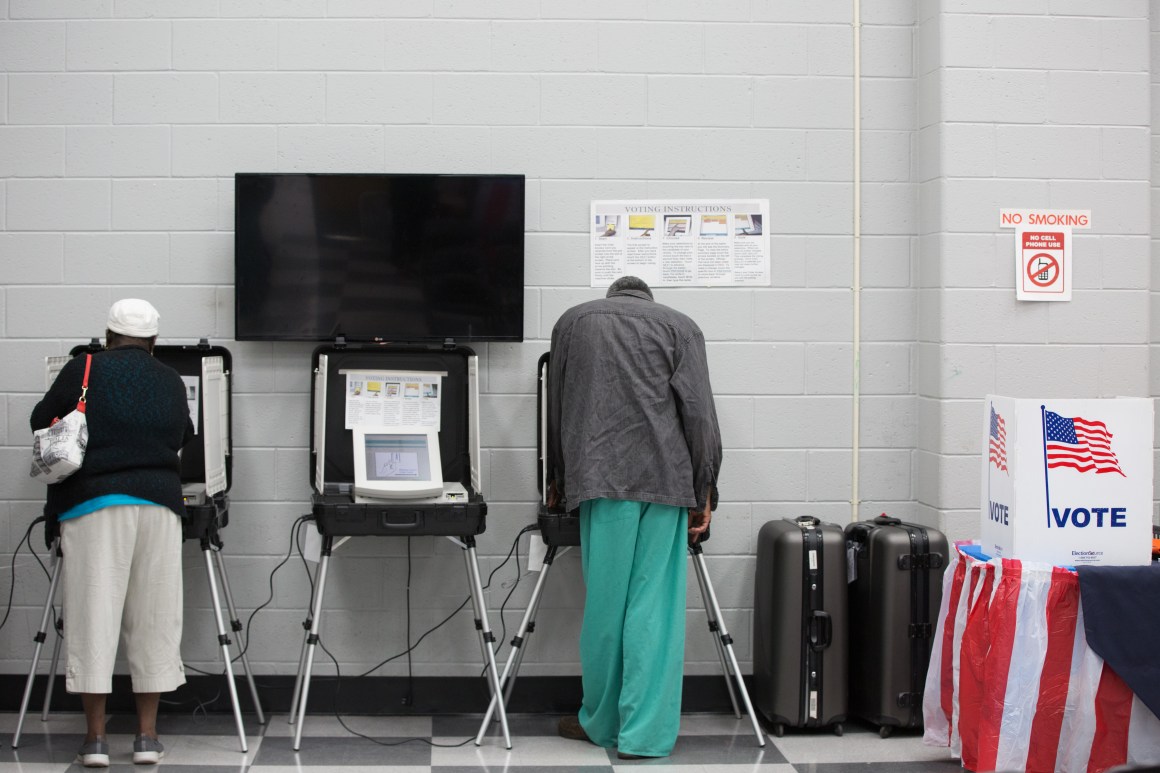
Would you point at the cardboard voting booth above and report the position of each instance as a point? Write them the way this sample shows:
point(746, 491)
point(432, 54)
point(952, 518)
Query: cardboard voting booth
point(1067, 482)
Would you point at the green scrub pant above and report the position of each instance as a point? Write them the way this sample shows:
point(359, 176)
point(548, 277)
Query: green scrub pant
point(632, 641)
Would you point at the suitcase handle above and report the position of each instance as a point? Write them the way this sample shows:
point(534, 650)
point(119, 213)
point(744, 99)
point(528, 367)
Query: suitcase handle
point(886, 520)
point(821, 631)
point(805, 521)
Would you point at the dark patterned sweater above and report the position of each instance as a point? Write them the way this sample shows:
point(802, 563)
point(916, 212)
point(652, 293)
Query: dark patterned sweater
point(138, 421)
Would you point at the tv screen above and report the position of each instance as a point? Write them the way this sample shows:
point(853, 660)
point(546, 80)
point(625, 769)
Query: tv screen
point(378, 257)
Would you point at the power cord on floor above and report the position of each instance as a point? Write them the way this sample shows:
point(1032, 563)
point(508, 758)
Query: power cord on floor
point(295, 540)
point(372, 739)
point(411, 647)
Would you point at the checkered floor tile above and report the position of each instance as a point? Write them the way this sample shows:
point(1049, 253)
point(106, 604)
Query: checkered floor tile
point(708, 743)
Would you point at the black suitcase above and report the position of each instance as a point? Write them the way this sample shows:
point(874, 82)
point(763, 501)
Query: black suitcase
point(799, 625)
point(895, 593)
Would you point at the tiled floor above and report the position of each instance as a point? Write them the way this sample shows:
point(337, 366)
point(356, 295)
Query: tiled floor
point(709, 743)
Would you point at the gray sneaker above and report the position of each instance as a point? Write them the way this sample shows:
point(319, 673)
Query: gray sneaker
point(94, 754)
point(147, 751)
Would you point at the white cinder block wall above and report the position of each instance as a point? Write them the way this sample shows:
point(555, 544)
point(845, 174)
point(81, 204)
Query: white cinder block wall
point(123, 121)
point(1037, 105)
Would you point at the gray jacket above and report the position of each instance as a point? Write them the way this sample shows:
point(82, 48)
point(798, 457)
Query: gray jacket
point(631, 412)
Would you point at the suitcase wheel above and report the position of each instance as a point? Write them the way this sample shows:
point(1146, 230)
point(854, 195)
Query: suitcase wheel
point(838, 729)
point(885, 731)
point(778, 729)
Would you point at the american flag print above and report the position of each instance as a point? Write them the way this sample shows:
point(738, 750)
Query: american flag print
point(1081, 444)
point(997, 452)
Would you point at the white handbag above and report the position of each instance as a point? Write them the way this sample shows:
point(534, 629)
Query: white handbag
point(58, 450)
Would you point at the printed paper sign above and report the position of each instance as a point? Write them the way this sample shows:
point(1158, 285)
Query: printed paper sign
point(385, 398)
point(1043, 263)
point(681, 243)
point(1048, 219)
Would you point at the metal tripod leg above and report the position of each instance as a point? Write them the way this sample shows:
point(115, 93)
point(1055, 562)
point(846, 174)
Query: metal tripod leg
point(52, 669)
point(516, 654)
point(39, 638)
point(521, 651)
point(236, 627)
point(725, 638)
point(312, 638)
point(486, 637)
point(307, 624)
point(714, 631)
point(223, 642)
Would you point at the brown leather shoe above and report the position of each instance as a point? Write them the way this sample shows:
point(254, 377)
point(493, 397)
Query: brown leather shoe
point(571, 728)
point(627, 756)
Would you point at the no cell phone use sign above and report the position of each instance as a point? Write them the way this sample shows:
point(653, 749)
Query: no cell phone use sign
point(1043, 251)
point(1044, 264)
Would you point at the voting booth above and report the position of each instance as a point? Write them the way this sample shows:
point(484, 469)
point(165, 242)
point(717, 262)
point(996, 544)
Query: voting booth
point(206, 467)
point(395, 441)
point(559, 526)
point(395, 453)
point(390, 274)
point(1068, 482)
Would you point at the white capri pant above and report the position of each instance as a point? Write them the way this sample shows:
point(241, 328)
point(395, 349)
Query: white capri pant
point(122, 577)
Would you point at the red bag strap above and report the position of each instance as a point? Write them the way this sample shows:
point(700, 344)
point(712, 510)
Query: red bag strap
point(85, 384)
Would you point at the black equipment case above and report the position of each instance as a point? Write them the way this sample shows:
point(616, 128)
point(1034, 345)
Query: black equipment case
point(336, 513)
point(799, 625)
point(894, 602)
point(207, 460)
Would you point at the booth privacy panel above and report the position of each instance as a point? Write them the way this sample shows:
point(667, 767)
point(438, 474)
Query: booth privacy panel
point(332, 444)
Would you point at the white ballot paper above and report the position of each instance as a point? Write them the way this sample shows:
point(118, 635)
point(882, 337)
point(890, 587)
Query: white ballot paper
point(392, 398)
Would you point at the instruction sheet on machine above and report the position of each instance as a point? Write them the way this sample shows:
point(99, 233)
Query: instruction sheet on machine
point(681, 243)
point(389, 398)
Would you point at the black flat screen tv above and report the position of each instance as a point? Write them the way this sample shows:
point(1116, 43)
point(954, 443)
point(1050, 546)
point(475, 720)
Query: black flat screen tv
point(379, 257)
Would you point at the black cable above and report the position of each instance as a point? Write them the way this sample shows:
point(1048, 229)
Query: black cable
point(295, 531)
point(200, 705)
point(507, 598)
point(32, 550)
point(56, 627)
point(435, 628)
point(503, 623)
point(352, 731)
point(410, 699)
point(12, 569)
point(411, 647)
point(459, 608)
point(305, 563)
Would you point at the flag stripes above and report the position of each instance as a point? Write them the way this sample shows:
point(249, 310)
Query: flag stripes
point(1018, 687)
point(1080, 444)
point(997, 449)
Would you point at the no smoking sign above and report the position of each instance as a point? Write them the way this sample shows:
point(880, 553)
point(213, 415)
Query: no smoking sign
point(1043, 263)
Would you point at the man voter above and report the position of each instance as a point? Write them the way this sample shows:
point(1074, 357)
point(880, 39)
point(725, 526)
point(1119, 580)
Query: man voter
point(634, 440)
